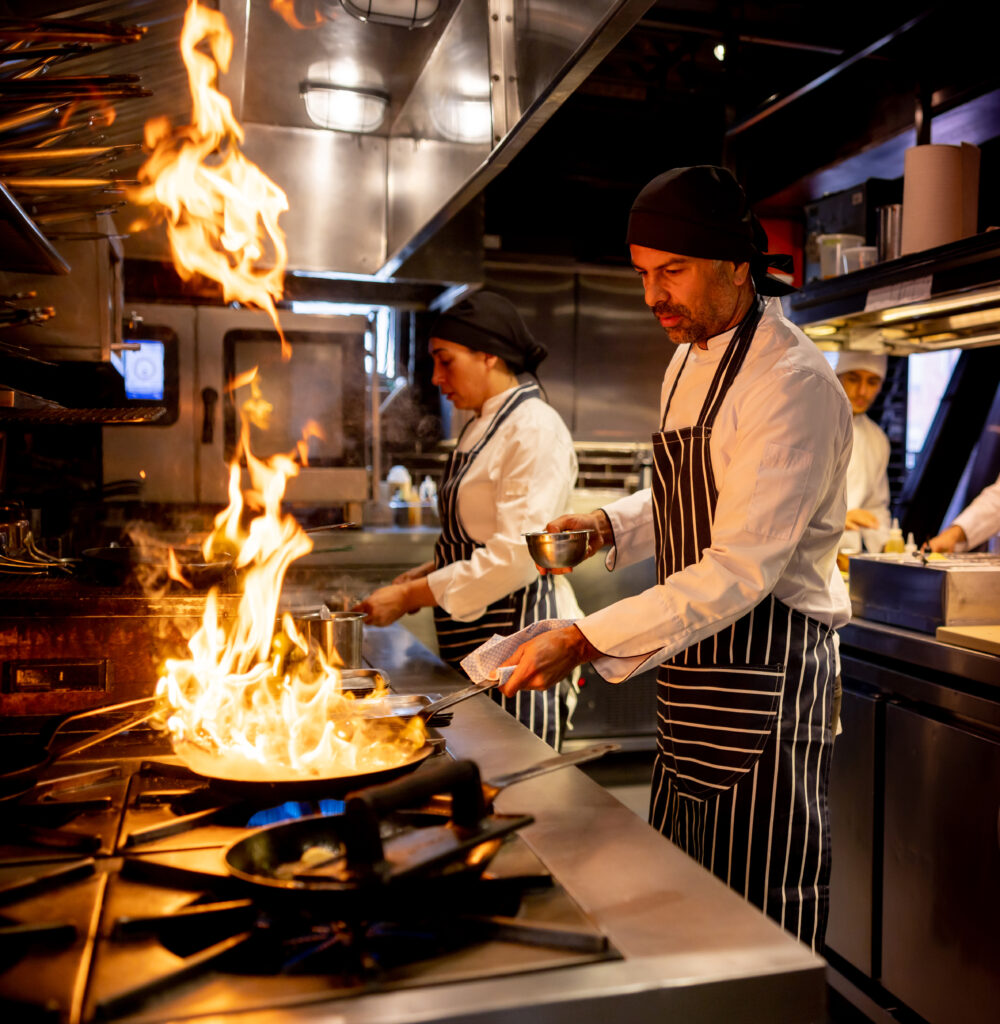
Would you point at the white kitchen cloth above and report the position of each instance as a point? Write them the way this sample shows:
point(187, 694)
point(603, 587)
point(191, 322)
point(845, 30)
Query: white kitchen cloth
point(482, 664)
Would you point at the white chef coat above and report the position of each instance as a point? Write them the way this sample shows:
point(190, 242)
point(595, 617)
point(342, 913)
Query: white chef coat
point(980, 519)
point(780, 448)
point(520, 481)
point(868, 483)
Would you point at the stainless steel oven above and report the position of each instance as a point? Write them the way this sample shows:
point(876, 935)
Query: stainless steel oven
point(186, 458)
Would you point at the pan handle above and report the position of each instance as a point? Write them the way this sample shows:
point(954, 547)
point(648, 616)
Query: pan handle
point(437, 706)
point(581, 756)
point(154, 706)
point(49, 732)
point(365, 808)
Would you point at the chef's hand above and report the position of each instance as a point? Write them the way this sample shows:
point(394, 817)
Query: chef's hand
point(547, 658)
point(947, 539)
point(416, 573)
point(383, 606)
point(597, 522)
point(861, 519)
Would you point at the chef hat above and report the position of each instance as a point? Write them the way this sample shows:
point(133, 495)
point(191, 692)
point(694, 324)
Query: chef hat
point(702, 211)
point(487, 322)
point(870, 361)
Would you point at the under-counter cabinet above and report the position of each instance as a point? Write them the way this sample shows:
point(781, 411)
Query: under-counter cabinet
point(941, 881)
point(914, 931)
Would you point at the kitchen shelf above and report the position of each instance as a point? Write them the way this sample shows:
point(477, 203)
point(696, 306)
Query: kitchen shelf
point(948, 295)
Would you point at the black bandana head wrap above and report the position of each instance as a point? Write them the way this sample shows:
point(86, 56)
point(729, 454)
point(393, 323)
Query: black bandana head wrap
point(702, 211)
point(487, 322)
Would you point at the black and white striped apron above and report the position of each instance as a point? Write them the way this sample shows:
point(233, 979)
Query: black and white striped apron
point(541, 711)
point(744, 737)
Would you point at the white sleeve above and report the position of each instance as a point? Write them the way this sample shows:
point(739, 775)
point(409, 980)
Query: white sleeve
point(981, 519)
point(530, 483)
point(794, 443)
point(631, 521)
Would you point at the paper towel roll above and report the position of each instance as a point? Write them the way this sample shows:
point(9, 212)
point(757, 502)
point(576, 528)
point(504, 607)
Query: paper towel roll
point(940, 195)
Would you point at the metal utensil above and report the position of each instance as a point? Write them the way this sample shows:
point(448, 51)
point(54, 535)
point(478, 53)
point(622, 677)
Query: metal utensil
point(561, 550)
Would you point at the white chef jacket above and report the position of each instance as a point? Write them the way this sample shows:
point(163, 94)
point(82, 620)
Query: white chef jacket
point(868, 483)
point(780, 448)
point(980, 519)
point(520, 481)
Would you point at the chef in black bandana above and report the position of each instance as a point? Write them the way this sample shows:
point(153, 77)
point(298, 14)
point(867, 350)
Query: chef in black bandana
point(513, 469)
point(744, 517)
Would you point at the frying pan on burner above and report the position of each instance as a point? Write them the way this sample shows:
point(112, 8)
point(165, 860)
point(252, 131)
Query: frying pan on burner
point(23, 757)
point(392, 845)
point(374, 858)
point(250, 781)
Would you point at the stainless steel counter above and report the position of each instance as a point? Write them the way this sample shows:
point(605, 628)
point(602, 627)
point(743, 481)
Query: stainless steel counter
point(921, 649)
point(692, 950)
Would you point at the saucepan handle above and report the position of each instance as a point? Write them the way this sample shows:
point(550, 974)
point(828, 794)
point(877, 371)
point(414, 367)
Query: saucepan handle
point(366, 808)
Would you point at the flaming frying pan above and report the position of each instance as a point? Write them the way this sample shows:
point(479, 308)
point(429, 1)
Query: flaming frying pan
point(249, 780)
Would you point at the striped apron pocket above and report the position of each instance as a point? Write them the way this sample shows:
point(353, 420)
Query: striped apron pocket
point(716, 721)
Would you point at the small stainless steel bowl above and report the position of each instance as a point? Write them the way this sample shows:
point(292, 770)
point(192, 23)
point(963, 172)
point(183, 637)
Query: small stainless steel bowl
point(560, 550)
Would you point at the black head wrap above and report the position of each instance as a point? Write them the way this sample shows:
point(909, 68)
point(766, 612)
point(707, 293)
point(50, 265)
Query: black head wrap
point(702, 211)
point(488, 322)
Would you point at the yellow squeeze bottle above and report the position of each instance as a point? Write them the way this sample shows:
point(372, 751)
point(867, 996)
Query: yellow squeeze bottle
point(895, 544)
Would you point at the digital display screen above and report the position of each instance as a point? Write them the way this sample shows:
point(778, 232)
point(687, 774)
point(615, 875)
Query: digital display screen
point(143, 370)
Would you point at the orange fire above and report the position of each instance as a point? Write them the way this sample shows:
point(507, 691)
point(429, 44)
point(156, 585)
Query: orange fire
point(253, 702)
point(220, 209)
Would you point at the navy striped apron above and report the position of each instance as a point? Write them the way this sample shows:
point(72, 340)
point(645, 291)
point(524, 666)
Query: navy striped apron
point(744, 733)
point(543, 712)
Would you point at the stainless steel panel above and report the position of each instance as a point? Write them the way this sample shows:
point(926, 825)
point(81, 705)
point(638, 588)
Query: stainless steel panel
point(621, 356)
point(422, 175)
point(959, 590)
point(335, 183)
point(547, 302)
point(362, 53)
point(941, 945)
point(853, 800)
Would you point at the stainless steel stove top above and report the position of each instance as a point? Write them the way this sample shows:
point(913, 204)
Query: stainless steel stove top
point(116, 905)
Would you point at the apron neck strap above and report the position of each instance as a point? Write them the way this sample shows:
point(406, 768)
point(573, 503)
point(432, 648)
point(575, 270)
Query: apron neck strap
point(731, 361)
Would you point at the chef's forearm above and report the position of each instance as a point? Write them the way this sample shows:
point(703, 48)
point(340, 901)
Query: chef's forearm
point(417, 594)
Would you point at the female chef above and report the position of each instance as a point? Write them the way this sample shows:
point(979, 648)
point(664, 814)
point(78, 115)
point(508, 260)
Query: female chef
point(512, 470)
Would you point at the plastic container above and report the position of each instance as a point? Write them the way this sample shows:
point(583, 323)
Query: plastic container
point(858, 257)
point(831, 248)
point(895, 544)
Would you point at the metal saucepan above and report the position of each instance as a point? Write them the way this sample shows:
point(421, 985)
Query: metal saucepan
point(378, 854)
point(221, 773)
point(22, 758)
point(118, 566)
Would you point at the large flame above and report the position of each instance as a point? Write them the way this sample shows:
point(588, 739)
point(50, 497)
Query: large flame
point(221, 210)
point(255, 703)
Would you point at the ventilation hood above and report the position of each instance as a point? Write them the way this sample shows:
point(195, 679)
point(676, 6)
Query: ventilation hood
point(941, 298)
point(453, 99)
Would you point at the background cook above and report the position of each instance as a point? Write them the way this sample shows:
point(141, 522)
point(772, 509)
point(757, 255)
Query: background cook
point(513, 469)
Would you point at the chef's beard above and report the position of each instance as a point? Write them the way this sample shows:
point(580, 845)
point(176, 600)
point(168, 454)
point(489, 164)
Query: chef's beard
point(688, 331)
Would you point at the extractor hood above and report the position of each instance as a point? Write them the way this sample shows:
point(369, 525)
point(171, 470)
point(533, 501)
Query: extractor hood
point(459, 94)
point(941, 298)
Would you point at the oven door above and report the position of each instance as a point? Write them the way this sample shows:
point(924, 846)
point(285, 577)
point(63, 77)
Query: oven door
point(325, 382)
